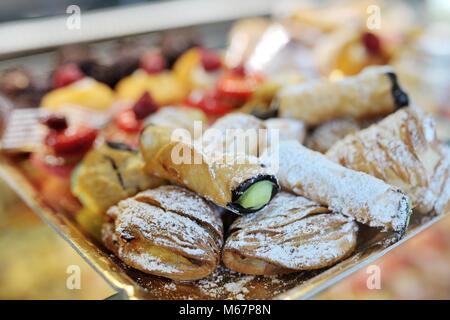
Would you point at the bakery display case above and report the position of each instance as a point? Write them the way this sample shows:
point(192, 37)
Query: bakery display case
point(358, 174)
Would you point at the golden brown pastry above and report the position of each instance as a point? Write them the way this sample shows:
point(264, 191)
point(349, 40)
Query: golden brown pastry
point(108, 174)
point(236, 181)
point(229, 183)
point(401, 150)
point(355, 194)
point(291, 234)
point(373, 92)
point(168, 231)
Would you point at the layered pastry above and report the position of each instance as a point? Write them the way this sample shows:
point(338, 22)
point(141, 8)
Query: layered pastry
point(108, 174)
point(168, 231)
point(291, 234)
point(367, 199)
point(236, 181)
point(401, 149)
point(373, 92)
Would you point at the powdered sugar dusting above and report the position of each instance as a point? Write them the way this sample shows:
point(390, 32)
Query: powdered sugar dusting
point(399, 150)
point(138, 224)
point(298, 239)
point(354, 194)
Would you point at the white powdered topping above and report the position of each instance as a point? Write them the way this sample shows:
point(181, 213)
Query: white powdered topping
point(163, 228)
point(184, 202)
point(149, 220)
point(289, 129)
point(284, 209)
point(238, 288)
point(238, 121)
point(296, 240)
point(396, 150)
point(355, 194)
point(150, 262)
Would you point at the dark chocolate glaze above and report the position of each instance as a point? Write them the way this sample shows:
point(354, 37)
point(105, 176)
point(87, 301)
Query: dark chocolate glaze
point(239, 191)
point(400, 97)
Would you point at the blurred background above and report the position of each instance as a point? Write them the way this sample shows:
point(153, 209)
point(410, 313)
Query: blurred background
point(34, 259)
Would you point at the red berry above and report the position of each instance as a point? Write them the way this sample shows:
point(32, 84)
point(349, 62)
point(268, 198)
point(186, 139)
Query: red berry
point(239, 71)
point(211, 60)
point(144, 106)
point(66, 74)
point(372, 43)
point(55, 122)
point(152, 62)
point(73, 141)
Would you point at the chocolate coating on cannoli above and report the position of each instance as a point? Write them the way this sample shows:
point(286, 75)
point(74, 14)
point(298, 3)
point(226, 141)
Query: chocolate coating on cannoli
point(400, 97)
point(241, 188)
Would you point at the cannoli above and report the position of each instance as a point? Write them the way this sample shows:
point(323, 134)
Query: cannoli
point(373, 92)
point(291, 234)
point(236, 181)
point(108, 174)
point(355, 194)
point(400, 150)
point(168, 231)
